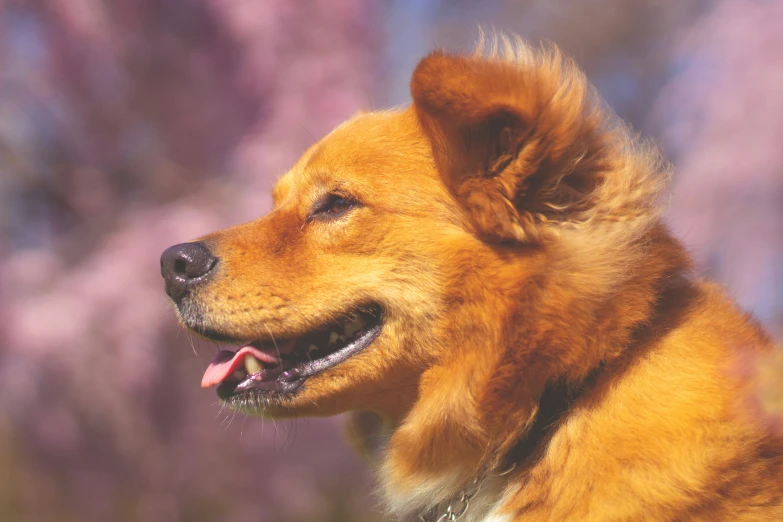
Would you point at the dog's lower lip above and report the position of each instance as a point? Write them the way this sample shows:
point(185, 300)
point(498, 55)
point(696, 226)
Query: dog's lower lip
point(281, 381)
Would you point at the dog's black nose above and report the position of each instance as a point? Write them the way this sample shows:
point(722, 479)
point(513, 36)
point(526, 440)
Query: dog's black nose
point(184, 265)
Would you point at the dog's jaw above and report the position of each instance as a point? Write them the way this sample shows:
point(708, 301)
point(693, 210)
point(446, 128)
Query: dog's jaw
point(277, 367)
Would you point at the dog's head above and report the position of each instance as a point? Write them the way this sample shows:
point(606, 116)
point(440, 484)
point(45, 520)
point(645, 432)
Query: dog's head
point(423, 262)
point(335, 292)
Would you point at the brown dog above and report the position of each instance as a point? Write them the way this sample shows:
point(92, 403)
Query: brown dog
point(488, 273)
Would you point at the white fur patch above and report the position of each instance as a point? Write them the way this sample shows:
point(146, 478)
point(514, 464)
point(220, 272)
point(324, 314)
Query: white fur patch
point(498, 518)
point(483, 507)
point(492, 513)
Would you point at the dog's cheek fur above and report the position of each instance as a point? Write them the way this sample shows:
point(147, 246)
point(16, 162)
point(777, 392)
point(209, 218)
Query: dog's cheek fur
point(383, 378)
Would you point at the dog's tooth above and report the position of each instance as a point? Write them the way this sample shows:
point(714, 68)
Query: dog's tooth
point(239, 374)
point(312, 348)
point(333, 337)
point(252, 365)
point(353, 326)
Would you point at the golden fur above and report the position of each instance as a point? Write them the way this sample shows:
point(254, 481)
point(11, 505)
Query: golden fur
point(537, 312)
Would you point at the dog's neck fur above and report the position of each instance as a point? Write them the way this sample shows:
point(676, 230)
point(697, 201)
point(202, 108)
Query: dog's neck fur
point(521, 395)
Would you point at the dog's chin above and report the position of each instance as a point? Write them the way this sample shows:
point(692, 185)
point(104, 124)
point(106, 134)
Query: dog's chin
point(267, 374)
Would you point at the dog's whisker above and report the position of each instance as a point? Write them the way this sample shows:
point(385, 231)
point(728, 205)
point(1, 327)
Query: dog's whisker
point(190, 340)
point(242, 427)
point(279, 355)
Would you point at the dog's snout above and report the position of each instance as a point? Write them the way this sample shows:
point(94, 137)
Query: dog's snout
point(184, 265)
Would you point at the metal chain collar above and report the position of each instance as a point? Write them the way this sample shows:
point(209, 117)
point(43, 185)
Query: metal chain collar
point(458, 506)
point(455, 508)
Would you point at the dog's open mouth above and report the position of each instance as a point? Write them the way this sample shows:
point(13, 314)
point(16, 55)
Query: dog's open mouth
point(282, 365)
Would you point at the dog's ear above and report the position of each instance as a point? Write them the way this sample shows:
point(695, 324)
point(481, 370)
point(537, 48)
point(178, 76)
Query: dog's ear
point(516, 139)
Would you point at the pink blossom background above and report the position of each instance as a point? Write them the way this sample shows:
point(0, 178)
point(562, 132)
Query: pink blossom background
point(132, 125)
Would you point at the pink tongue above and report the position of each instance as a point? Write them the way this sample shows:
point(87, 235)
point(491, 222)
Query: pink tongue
point(225, 362)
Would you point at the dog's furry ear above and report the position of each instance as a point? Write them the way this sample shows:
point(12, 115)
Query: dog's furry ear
point(517, 139)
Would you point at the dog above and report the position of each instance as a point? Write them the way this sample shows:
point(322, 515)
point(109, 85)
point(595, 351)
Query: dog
point(485, 280)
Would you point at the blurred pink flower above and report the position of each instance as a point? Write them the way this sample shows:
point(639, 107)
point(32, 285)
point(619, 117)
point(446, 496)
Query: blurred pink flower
point(95, 374)
point(724, 118)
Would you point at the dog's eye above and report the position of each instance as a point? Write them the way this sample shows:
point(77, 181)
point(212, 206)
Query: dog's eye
point(332, 206)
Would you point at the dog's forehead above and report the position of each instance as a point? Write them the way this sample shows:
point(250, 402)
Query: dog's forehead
point(371, 149)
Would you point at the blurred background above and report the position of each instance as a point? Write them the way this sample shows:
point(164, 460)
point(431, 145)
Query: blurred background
point(130, 125)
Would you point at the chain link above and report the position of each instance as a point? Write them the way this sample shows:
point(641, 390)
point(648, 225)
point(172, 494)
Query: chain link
point(455, 509)
point(459, 505)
